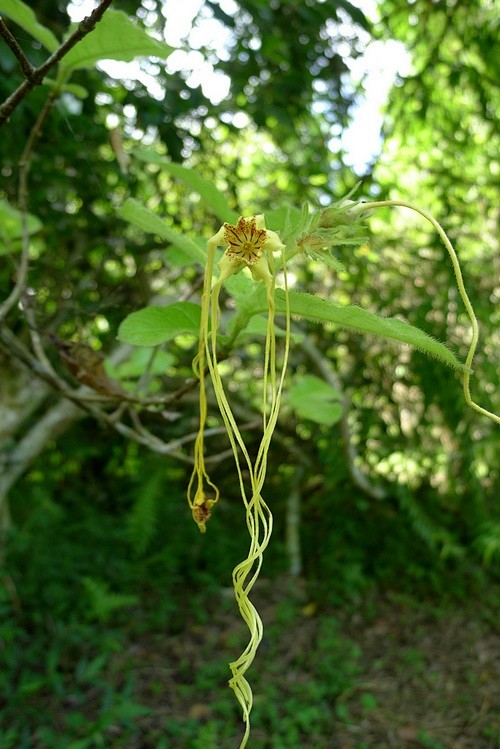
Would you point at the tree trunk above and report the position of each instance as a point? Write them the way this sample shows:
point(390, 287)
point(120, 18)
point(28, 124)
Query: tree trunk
point(54, 422)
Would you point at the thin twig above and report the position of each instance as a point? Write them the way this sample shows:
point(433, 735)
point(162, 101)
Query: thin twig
point(38, 74)
point(141, 435)
point(125, 398)
point(15, 348)
point(24, 168)
point(25, 64)
point(192, 289)
point(187, 388)
point(36, 343)
point(81, 397)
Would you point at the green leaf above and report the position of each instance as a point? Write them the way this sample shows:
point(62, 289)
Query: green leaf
point(212, 197)
point(257, 327)
point(356, 14)
point(29, 687)
point(126, 710)
point(115, 37)
point(138, 362)
point(143, 517)
point(140, 216)
point(312, 398)
point(357, 319)
point(26, 19)
point(70, 88)
point(89, 670)
point(82, 743)
point(103, 602)
point(488, 541)
point(240, 286)
point(286, 219)
point(11, 228)
point(328, 259)
point(154, 325)
point(177, 258)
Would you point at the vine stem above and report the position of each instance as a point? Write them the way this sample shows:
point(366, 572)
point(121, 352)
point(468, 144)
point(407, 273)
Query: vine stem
point(461, 288)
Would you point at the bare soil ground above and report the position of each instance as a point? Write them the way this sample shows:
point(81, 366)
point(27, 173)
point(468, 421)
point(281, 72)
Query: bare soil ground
point(435, 680)
point(388, 674)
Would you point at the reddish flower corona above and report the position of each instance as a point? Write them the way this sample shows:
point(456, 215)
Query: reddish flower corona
point(245, 241)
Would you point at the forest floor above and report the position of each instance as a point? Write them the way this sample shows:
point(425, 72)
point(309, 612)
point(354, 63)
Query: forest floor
point(388, 673)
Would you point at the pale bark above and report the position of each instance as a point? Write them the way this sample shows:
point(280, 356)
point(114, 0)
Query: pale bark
point(293, 519)
point(54, 422)
point(21, 393)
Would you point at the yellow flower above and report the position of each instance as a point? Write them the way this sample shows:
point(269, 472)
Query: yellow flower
point(246, 242)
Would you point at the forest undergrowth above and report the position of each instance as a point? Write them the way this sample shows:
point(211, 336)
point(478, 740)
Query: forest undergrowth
point(383, 669)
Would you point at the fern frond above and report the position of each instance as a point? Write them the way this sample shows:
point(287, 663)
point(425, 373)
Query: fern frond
point(143, 517)
point(102, 602)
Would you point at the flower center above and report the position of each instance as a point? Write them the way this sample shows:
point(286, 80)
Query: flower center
point(245, 241)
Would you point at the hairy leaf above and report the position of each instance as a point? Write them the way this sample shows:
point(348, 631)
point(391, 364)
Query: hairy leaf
point(287, 220)
point(359, 320)
point(257, 327)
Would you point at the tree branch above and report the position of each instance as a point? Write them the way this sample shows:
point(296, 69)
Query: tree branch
point(38, 74)
point(77, 398)
point(25, 64)
point(60, 417)
point(21, 394)
point(292, 523)
point(53, 423)
point(24, 168)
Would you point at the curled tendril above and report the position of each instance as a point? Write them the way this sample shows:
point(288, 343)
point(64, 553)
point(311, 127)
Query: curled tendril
point(461, 290)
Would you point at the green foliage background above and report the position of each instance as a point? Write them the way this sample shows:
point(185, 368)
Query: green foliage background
point(101, 547)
